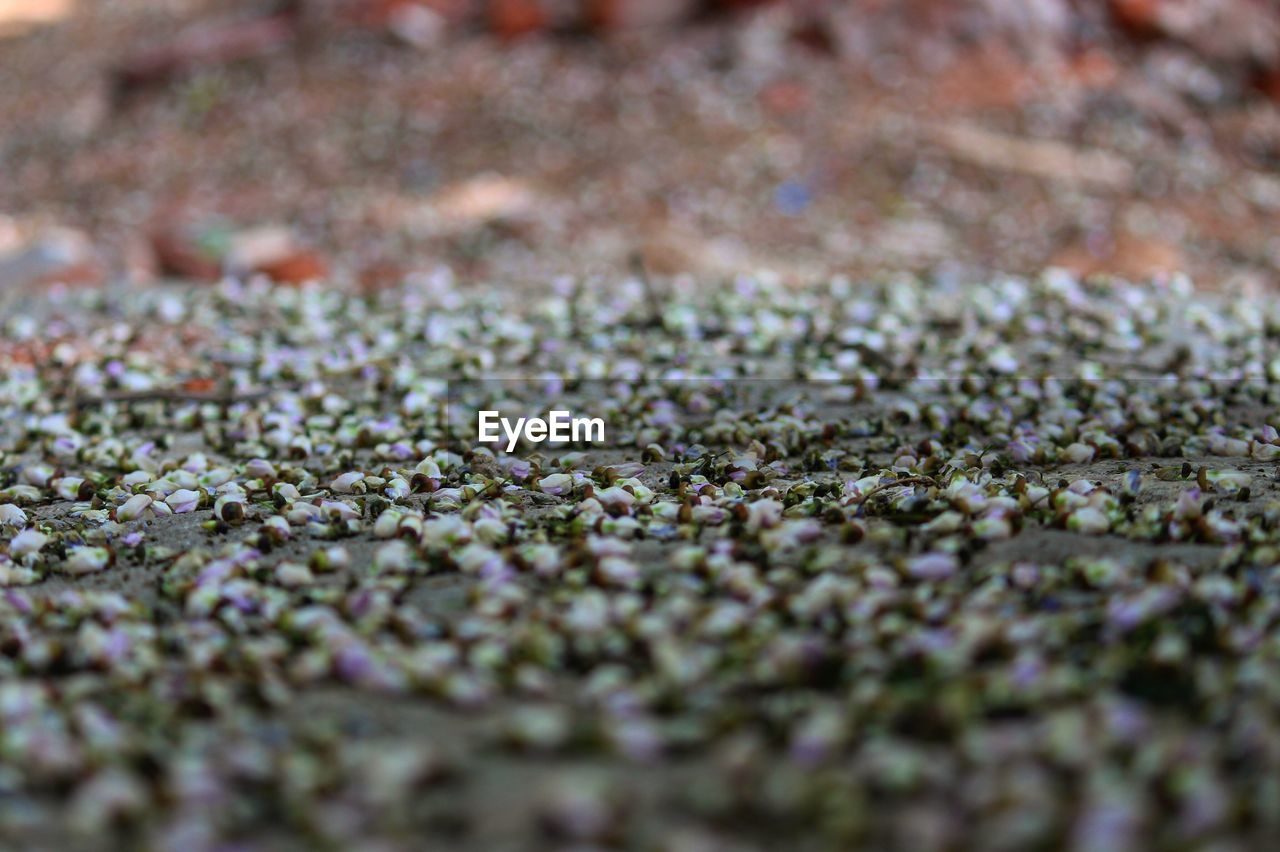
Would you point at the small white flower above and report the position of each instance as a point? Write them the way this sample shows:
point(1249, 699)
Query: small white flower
point(791, 534)
point(590, 506)
point(1221, 445)
point(544, 559)
point(1078, 453)
point(616, 571)
point(348, 483)
point(183, 479)
point(710, 515)
point(292, 575)
point(331, 559)
point(856, 489)
point(395, 556)
point(1266, 452)
point(65, 447)
point(259, 469)
point(12, 575)
point(446, 530)
point(994, 527)
point(135, 478)
point(947, 522)
point(764, 514)
point(339, 511)
point(133, 508)
point(966, 496)
point(37, 475)
point(21, 493)
point(68, 487)
point(287, 491)
point(229, 508)
point(616, 497)
point(161, 488)
point(556, 484)
point(476, 559)
point(27, 542)
point(1188, 507)
point(277, 527)
point(602, 546)
point(302, 513)
point(140, 458)
point(1021, 451)
point(86, 560)
point(278, 438)
point(490, 530)
point(932, 566)
point(183, 500)
point(1089, 521)
point(387, 524)
point(1229, 481)
point(12, 516)
point(216, 477)
point(667, 511)
point(196, 463)
point(1133, 482)
point(1068, 499)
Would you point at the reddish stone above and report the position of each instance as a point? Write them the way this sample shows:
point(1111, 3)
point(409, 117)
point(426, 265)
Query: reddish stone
point(200, 385)
point(297, 268)
point(179, 256)
point(380, 275)
point(1269, 83)
point(1094, 69)
point(1139, 17)
point(1124, 254)
point(516, 18)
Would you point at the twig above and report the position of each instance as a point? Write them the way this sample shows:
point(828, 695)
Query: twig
point(575, 313)
point(641, 270)
point(203, 46)
point(166, 396)
point(885, 486)
point(1043, 158)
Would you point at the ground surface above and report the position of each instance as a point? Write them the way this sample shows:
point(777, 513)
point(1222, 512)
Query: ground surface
point(893, 565)
point(884, 548)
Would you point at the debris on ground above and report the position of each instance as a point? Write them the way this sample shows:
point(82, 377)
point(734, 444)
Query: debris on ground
point(206, 251)
point(46, 257)
point(840, 544)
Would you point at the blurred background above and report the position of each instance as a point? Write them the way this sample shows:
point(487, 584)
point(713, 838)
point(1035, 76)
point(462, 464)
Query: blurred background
point(520, 140)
